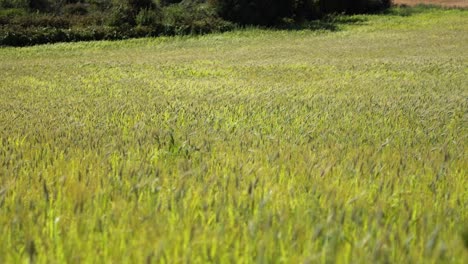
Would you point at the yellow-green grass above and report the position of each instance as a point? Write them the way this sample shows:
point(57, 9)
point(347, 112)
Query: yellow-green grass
point(250, 146)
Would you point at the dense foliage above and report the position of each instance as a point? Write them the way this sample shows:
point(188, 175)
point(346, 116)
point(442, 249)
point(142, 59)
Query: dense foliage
point(269, 12)
point(26, 22)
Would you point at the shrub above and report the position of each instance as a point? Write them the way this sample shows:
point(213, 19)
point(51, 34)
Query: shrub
point(268, 13)
point(148, 17)
point(76, 9)
point(137, 5)
point(99, 5)
point(12, 12)
point(29, 36)
point(125, 12)
point(18, 36)
point(39, 20)
point(7, 15)
point(192, 18)
point(121, 16)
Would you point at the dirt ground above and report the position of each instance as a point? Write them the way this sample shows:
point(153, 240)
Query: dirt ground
point(458, 3)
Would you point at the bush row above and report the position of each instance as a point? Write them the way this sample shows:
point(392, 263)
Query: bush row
point(19, 36)
point(29, 22)
point(129, 20)
point(270, 13)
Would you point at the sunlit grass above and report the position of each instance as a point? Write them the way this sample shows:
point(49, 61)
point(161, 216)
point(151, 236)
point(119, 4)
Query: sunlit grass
point(249, 146)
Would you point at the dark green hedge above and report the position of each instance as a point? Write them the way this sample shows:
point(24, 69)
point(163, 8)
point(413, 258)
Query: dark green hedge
point(17, 36)
point(273, 12)
point(47, 21)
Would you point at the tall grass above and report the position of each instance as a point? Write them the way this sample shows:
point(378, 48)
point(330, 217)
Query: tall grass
point(249, 146)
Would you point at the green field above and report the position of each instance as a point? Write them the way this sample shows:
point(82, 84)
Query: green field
point(254, 146)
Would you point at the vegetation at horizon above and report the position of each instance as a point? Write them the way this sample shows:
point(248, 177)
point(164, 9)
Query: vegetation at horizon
point(31, 22)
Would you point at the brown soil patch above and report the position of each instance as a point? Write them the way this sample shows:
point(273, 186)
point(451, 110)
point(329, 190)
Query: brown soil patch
point(457, 3)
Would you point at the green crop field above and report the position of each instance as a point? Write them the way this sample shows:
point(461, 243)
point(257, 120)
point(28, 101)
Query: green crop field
point(253, 146)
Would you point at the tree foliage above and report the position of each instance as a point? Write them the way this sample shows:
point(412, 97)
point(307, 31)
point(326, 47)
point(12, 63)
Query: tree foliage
point(272, 12)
